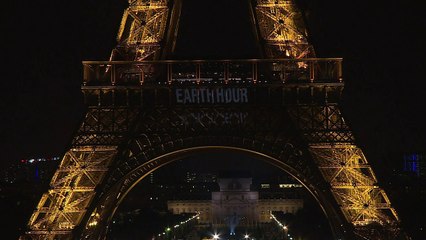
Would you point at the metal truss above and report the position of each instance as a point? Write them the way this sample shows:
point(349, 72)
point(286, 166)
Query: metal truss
point(104, 126)
point(160, 126)
point(82, 168)
point(157, 138)
point(281, 26)
point(72, 188)
point(321, 123)
point(344, 166)
point(145, 122)
point(142, 30)
point(354, 185)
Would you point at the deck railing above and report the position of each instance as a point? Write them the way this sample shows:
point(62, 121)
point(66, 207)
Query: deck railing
point(119, 73)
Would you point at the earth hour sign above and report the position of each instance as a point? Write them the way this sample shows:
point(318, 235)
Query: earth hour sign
point(204, 95)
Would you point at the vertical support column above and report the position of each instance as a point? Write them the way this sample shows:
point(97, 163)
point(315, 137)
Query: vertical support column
point(311, 71)
point(198, 72)
point(113, 74)
point(226, 72)
point(169, 73)
point(339, 71)
point(254, 72)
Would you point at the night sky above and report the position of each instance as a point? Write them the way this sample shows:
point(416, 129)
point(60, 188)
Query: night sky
point(44, 43)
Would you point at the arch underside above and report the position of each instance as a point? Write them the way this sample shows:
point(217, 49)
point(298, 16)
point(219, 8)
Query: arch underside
point(266, 134)
point(93, 178)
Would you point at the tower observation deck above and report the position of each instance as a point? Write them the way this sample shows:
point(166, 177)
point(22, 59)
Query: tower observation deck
point(145, 110)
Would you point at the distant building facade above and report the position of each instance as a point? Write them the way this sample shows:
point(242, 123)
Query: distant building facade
point(415, 163)
point(235, 202)
point(30, 170)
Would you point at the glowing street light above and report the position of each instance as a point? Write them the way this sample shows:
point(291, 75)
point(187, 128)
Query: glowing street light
point(216, 236)
point(246, 236)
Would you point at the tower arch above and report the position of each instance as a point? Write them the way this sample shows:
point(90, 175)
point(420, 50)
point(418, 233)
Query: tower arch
point(284, 160)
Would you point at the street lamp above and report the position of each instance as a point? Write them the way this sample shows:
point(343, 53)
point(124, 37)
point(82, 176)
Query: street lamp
point(246, 236)
point(285, 228)
point(216, 236)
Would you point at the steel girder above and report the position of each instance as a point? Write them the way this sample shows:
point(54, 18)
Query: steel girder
point(71, 190)
point(281, 27)
point(104, 126)
point(82, 169)
point(344, 166)
point(163, 134)
point(142, 30)
point(148, 130)
point(354, 185)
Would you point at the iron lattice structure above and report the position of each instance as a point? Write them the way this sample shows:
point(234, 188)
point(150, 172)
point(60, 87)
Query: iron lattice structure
point(282, 29)
point(143, 113)
point(143, 28)
point(71, 189)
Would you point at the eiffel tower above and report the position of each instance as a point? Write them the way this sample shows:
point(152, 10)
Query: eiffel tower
point(145, 111)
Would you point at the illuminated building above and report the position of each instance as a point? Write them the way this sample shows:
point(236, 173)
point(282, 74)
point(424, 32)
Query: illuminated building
point(30, 170)
point(193, 177)
point(415, 163)
point(235, 202)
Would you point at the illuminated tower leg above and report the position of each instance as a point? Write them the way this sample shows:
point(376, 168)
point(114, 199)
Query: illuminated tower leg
point(143, 28)
point(71, 191)
point(282, 29)
point(82, 169)
point(94, 147)
point(344, 166)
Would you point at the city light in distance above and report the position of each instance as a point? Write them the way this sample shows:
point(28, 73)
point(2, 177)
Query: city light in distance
point(168, 229)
